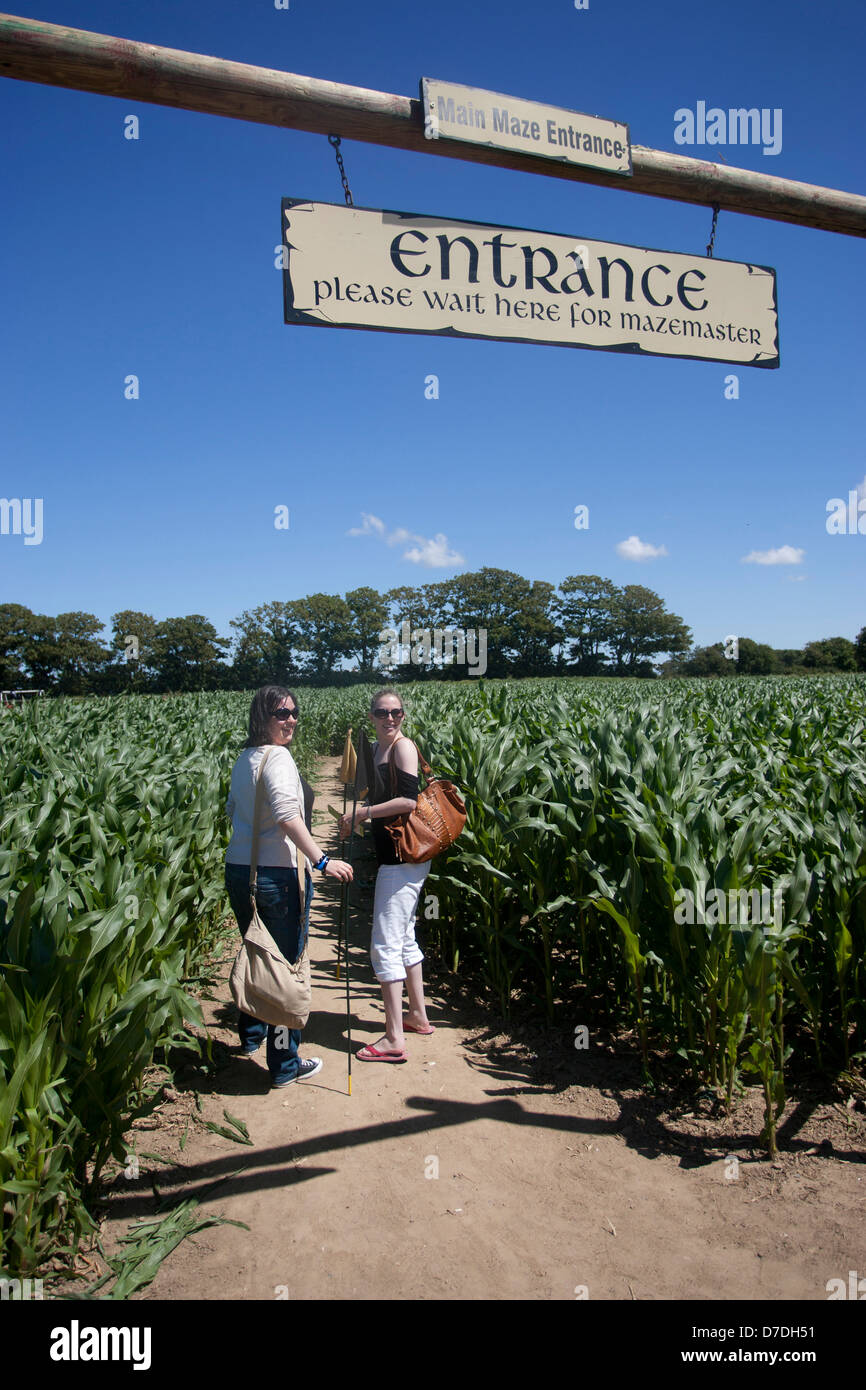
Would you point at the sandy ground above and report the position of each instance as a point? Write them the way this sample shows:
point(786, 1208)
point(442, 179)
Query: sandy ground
point(480, 1170)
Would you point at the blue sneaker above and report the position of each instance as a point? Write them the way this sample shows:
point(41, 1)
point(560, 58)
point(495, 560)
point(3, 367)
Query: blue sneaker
point(305, 1069)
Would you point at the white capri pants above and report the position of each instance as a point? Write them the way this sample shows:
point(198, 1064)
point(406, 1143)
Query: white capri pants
point(393, 947)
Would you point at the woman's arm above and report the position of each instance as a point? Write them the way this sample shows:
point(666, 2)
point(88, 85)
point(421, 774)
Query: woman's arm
point(405, 757)
point(301, 837)
point(286, 794)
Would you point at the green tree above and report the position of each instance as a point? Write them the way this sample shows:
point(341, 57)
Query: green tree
point(80, 654)
point(831, 654)
point(35, 646)
point(585, 612)
point(325, 631)
point(16, 628)
point(860, 648)
point(368, 616)
point(789, 658)
point(407, 605)
point(537, 633)
point(513, 612)
point(265, 648)
point(706, 661)
point(755, 659)
point(187, 654)
point(644, 629)
point(128, 671)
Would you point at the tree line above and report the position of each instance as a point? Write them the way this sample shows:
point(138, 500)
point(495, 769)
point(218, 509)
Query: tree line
point(585, 626)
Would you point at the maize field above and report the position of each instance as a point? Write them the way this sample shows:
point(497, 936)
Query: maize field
point(682, 858)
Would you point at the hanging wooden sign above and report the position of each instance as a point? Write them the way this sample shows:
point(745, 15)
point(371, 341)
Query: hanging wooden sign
point(454, 112)
point(349, 267)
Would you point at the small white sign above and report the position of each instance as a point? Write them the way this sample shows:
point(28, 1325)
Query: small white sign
point(454, 112)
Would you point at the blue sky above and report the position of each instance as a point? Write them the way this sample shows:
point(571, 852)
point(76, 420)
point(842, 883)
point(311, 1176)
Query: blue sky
point(156, 257)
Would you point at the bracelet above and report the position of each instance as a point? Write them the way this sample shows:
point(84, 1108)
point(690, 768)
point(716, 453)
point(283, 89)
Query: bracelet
point(325, 859)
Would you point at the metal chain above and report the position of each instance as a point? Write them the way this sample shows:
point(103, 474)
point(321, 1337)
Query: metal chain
point(713, 231)
point(335, 141)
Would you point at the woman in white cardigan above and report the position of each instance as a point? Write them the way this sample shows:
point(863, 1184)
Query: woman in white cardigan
point(283, 830)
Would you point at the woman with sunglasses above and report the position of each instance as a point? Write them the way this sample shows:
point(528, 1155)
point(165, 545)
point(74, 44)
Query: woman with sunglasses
point(284, 828)
point(393, 949)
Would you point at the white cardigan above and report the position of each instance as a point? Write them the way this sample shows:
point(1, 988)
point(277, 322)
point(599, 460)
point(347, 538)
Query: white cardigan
point(283, 800)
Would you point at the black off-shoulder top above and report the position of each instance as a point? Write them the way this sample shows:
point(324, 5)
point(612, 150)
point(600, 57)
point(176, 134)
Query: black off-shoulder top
point(407, 785)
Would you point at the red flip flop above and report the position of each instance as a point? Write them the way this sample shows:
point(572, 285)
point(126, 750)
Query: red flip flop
point(410, 1028)
point(372, 1054)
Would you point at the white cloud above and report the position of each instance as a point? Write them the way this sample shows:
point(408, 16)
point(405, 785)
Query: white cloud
point(433, 554)
point(784, 555)
point(636, 549)
point(372, 526)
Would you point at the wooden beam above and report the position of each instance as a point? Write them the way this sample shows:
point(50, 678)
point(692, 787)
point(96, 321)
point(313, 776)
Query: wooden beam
point(33, 51)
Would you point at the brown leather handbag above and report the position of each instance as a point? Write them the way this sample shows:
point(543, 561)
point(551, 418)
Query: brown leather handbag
point(438, 818)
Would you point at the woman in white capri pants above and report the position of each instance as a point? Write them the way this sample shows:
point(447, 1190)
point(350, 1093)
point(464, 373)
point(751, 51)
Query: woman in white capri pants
point(393, 948)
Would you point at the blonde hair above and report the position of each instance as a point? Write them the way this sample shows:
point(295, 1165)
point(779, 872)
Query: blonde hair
point(386, 690)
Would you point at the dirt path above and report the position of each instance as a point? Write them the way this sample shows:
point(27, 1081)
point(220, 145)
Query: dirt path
point(542, 1189)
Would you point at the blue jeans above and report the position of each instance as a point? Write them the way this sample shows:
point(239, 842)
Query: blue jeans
point(280, 910)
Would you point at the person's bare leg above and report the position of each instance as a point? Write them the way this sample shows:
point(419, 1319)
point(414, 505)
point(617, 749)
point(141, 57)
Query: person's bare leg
point(417, 1011)
point(392, 996)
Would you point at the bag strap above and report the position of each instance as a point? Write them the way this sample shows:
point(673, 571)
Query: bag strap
point(254, 849)
point(257, 811)
point(422, 763)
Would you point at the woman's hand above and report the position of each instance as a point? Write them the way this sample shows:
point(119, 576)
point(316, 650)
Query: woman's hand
point(347, 824)
point(339, 868)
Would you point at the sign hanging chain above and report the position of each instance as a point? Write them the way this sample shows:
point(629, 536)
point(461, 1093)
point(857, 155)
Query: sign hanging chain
point(335, 141)
point(713, 230)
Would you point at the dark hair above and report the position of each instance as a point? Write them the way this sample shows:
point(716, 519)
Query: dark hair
point(265, 703)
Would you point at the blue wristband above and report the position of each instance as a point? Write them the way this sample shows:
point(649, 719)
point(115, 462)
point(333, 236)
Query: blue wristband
point(325, 859)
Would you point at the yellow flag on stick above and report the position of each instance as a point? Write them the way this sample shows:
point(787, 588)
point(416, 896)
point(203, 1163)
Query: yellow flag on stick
point(349, 763)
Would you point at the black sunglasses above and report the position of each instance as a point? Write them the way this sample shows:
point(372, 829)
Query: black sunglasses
point(388, 713)
point(286, 713)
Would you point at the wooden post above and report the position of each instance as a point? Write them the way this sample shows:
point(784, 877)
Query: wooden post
point(33, 51)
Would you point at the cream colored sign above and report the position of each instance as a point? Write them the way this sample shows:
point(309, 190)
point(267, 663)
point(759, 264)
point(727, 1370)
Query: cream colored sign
point(454, 112)
point(406, 273)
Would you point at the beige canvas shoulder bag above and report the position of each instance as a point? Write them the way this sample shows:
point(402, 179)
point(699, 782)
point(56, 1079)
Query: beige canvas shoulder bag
point(263, 983)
